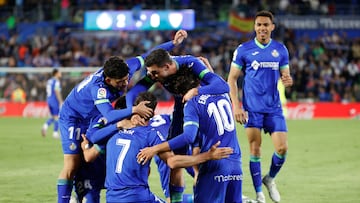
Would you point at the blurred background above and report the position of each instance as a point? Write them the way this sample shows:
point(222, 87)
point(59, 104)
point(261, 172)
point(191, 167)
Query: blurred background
point(77, 36)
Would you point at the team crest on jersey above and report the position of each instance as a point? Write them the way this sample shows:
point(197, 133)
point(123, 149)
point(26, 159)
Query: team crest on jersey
point(72, 146)
point(101, 93)
point(275, 53)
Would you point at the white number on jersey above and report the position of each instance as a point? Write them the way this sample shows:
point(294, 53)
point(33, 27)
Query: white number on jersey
point(72, 132)
point(157, 121)
point(125, 145)
point(222, 115)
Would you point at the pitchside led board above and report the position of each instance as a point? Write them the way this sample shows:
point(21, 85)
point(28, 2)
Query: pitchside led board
point(140, 20)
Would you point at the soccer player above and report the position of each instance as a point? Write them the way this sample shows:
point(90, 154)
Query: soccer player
point(54, 101)
point(161, 66)
point(210, 115)
point(91, 97)
point(262, 61)
point(126, 180)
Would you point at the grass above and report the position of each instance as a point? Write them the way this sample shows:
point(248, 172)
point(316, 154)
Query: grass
point(322, 164)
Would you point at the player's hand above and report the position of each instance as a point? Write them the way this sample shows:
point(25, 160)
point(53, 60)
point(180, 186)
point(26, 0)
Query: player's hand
point(287, 80)
point(207, 63)
point(84, 142)
point(179, 37)
point(216, 153)
point(240, 115)
point(145, 155)
point(189, 94)
point(143, 110)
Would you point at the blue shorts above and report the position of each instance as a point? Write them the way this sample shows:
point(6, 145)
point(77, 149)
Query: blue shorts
point(54, 109)
point(70, 131)
point(132, 195)
point(270, 122)
point(225, 181)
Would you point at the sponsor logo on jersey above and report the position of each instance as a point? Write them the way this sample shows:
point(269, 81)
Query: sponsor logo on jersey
point(101, 94)
point(266, 64)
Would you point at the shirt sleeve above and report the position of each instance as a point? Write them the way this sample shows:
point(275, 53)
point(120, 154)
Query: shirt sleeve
point(191, 126)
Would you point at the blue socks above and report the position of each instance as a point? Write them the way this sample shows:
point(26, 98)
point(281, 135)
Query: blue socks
point(255, 170)
point(64, 188)
point(276, 163)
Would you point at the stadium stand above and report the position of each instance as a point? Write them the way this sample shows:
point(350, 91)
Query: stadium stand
point(325, 66)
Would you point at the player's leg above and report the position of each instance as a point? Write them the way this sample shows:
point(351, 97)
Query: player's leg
point(70, 140)
point(276, 125)
point(253, 132)
point(56, 126)
point(48, 122)
point(65, 179)
point(177, 183)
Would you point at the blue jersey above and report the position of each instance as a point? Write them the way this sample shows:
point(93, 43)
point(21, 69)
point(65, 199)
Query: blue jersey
point(261, 66)
point(212, 117)
point(52, 86)
point(211, 83)
point(90, 98)
point(126, 180)
point(93, 96)
point(162, 124)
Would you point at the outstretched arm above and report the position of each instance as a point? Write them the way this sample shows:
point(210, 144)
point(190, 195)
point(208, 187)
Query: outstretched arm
point(182, 161)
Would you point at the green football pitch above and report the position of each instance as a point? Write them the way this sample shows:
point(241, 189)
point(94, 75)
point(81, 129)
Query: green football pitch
point(323, 163)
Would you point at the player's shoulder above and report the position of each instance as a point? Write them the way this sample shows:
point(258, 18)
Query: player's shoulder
point(278, 43)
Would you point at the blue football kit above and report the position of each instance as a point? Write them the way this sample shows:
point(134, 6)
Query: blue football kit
point(212, 116)
point(53, 85)
point(89, 98)
point(126, 179)
point(261, 64)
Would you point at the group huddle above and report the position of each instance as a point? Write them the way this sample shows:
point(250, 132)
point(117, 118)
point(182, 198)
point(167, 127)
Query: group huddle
point(110, 133)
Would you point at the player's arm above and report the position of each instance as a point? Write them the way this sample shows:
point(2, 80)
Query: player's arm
point(286, 78)
point(91, 152)
point(102, 103)
point(136, 63)
point(190, 129)
point(182, 161)
point(58, 93)
point(234, 74)
point(97, 135)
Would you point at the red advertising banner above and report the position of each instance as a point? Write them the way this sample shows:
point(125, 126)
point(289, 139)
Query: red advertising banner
point(295, 110)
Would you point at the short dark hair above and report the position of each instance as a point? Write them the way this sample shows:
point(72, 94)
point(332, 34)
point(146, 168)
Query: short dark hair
point(147, 96)
point(115, 67)
point(54, 72)
point(158, 57)
point(264, 13)
point(182, 81)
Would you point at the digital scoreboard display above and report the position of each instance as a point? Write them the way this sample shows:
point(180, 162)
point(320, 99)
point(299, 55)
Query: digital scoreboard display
point(140, 20)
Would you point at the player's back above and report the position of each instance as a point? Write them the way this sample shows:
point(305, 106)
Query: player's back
point(52, 85)
point(125, 178)
point(216, 122)
point(81, 100)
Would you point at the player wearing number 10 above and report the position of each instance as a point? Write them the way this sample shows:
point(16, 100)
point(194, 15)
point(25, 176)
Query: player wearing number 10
point(212, 117)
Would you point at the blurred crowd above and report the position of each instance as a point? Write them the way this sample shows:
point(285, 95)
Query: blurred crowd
point(324, 69)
